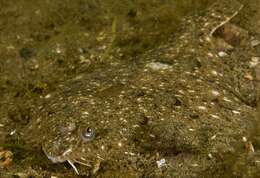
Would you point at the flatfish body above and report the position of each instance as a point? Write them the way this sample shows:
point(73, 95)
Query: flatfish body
point(174, 99)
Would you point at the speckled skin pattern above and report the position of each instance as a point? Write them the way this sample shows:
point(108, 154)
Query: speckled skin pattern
point(131, 106)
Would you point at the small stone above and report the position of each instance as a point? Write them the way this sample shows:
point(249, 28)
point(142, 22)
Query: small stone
point(213, 137)
point(248, 77)
point(227, 99)
point(213, 95)
point(214, 116)
point(235, 112)
point(255, 43)
point(210, 156)
point(213, 72)
point(120, 144)
point(158, 66)
point(21, 175)
point(13, 132)
point(85, 113)
point(202, 108)
point(47, 96)
point(132, 154)
point(10, 47)
point(215, 92)
point(208, 39)
point(161, 163)
point(222, 54)
point(210, 55)
point(254, 61)
point(58, 50)
point(194, 165)
point(244, 139)
point(152, 136)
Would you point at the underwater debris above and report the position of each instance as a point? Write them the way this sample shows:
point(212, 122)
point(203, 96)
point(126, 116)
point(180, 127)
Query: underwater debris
point(6, 158)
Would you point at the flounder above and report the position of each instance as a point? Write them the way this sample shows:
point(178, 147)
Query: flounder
point(97, 116)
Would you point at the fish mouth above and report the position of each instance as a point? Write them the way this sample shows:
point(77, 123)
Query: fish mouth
point(56, 159)
point(63, 158)
point(59, 158)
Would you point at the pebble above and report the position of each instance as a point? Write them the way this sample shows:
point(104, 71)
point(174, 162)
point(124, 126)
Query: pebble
point(84, 60)
point(248, 77)
point(227, 99)
point(158, 66)
point(222, 54)
point(215, 93)
point(47, 96)
point(214, 116)
point(235, 112)
point(13, 132)
point(244, 139)
point(21, 175)
point(210, 156)
point(210, 55)
point(58, 50)
point(119, 144)
point(255, 43)
point(254, 61)
point(194, 165)
point(202, 108)
point(213, 72)
point(161, 163)
point(213, 137)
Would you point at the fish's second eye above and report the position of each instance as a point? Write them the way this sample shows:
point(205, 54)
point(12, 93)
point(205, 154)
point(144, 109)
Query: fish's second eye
point(87, 134)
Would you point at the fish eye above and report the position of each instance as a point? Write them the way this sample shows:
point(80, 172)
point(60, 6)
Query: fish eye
point(87, 134)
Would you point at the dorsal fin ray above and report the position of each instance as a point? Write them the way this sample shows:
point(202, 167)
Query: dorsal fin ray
point(218, 14)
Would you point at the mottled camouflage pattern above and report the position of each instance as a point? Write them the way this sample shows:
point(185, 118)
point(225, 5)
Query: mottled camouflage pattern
point(132, 106)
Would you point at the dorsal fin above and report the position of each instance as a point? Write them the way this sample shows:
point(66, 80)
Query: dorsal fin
point(218, 14)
